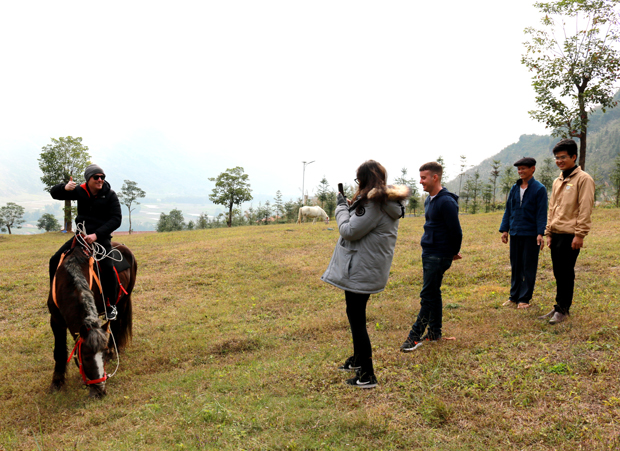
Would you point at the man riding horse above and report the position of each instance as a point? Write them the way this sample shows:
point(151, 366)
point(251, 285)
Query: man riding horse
point(100, 211)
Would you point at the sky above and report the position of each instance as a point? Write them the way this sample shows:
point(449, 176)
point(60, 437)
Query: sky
point(268, 84)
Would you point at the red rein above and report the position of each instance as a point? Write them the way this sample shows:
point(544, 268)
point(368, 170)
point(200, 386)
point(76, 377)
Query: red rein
point(78, 346)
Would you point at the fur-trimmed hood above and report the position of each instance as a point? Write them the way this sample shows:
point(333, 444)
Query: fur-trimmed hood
point(395, 192)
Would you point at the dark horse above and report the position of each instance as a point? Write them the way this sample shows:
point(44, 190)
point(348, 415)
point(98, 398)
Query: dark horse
point(76, 308)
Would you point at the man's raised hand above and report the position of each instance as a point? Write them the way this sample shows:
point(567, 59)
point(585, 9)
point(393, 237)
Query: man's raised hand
point(71, 185)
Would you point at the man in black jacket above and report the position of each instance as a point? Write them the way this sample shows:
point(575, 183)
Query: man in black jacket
point(100, 211)
point(441, 244)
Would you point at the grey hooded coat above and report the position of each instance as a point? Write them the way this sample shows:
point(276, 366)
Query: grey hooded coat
point(363, 255)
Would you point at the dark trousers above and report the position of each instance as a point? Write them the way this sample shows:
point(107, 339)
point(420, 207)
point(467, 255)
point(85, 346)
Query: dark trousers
point(356, 312)
point(430, 298)
point(564, 259)
point(524, 262)
point(108, 275)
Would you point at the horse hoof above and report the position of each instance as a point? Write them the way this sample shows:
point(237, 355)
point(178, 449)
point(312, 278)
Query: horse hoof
point(55, 387)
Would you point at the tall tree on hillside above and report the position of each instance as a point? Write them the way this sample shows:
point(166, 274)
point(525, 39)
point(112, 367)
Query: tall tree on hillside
point(414, 198)
point(64, 158)
point(231, 188)
point(508, 179)
point(495, 172)
point(487, 196)
point(475, 191)
point(576, 64)
point(615, 179)
point(48, 222)
point(441, 161)
point(462, 166)
point(323, 191)
point(11, 215)
point(547, 174)
point(278, 205)
point(129, 195)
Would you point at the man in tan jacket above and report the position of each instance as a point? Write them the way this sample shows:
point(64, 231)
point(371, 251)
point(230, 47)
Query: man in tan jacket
point(568, 222)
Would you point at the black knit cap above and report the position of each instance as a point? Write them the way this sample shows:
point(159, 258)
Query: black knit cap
point(92, 170)
point(527, 161)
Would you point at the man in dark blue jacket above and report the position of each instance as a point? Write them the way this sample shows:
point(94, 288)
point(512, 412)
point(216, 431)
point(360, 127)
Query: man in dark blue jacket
point(441, 244)
point(525, 219)
point(100, 210)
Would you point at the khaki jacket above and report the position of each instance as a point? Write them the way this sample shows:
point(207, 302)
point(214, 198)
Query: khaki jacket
point(570, 206)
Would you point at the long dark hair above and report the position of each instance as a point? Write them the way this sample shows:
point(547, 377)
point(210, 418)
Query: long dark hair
point(371, 174)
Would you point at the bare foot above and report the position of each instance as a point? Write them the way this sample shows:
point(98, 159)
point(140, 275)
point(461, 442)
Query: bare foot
point(508, 302)
point(523, 305)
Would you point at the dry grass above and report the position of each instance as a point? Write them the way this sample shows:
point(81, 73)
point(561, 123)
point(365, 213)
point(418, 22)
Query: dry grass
point(236, 342)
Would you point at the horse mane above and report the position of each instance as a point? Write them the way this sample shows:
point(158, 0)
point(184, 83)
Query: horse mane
point(74, 265)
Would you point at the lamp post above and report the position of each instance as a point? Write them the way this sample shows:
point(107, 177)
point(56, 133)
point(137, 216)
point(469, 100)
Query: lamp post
point(303, 181)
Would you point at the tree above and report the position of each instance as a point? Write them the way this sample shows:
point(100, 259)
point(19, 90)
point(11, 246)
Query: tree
point(171, 222)
point(278, 205)
point(508, 179)
point(576, 69)
point(323, 191)
point(64, 158)
point(413, 201)
point(462, 166)
point(441, 161)
point(487, 196)
point(231, 188)
point(11, 215)
point(495, 172)
point(203, 221)
point(547, 174)
point(291, 208)
point(615, 179)
point(331, 203)
point(475, 191)
point(129, 195)
point(48, 222)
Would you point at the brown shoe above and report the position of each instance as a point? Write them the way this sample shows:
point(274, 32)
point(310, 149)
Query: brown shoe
point(548, 315)
point(557, 318)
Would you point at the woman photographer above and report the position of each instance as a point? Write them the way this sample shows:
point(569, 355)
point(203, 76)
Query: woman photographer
point(361, 261)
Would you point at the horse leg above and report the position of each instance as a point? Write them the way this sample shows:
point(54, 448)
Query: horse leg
point(59, 328)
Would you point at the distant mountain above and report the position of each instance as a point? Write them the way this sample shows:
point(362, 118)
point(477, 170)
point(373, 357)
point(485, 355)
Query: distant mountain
point(603, 148)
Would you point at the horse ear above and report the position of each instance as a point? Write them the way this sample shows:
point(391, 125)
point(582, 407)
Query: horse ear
point(106, 327)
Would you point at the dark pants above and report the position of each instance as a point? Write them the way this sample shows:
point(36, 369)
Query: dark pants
point(108, 275)
point(356, 312)
point(564, 259)
point(430, 298)
point(524, 262)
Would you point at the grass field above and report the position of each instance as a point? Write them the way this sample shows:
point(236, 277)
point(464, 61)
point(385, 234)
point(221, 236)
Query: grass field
point(236, 344)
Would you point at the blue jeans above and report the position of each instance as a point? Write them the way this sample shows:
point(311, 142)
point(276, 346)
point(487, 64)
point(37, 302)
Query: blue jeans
point(430, 298)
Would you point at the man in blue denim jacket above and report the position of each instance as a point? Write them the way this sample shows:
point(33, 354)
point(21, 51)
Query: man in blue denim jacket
point(525, 219)
point(441, 244)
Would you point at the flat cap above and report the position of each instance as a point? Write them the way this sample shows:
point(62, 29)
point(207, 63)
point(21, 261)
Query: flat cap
point(527, 161)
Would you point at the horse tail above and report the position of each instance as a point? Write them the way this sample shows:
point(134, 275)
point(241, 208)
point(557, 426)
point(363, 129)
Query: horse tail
point(299, 216)
point(122, 327)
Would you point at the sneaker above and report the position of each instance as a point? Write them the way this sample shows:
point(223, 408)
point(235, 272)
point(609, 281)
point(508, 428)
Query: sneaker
point(548, 315)
point(110, 312)
point(362, 380)
point(410, 345)
point(558, 318)
point(349, 365)
point(426, 337)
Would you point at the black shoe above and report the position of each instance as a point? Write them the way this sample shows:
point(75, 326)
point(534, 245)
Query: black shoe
point(411, 345)
point(362, 380)
point(427, 337)
point(349, 365)
point(110, 312)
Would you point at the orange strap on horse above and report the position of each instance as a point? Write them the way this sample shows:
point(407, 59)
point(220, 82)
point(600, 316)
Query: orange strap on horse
point(91, 273)
point(78, 346)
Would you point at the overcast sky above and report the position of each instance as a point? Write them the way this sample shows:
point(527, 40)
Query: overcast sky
point(268, 84)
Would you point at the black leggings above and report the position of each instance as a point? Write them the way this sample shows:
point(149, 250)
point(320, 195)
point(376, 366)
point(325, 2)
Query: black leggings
point(356, 312)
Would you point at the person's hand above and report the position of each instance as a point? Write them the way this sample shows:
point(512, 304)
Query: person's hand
point(548, 240)
point(540, 241)
point(577, 243)
point(341, 200)
point(90, 239)
point(457, 256)
point(71, 185)
point(504, 237)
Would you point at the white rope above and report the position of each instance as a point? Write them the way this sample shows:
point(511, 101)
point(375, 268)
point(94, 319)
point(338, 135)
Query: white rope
point(99, 253)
